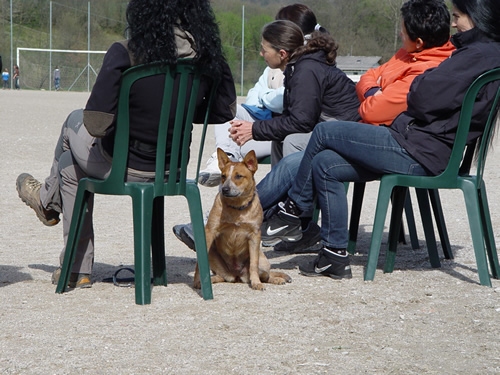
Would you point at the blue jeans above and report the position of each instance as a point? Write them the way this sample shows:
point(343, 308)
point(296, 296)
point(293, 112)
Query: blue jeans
point(273, 188)
point(343, 151)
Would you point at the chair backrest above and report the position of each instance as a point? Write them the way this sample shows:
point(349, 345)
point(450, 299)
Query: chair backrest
point(182, 82)
point(459, 151)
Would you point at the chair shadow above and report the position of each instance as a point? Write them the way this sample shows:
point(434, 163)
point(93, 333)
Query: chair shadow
point(407, 259)
point(180, 270)
point(12, 274)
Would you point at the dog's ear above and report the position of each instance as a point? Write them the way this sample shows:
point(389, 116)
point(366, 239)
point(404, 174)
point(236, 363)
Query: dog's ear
point(250, 161)
point(222, 158)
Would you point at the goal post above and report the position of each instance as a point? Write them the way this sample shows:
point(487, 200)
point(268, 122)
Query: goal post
point(78, 68)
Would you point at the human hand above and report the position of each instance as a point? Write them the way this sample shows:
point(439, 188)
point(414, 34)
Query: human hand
point(240, 131)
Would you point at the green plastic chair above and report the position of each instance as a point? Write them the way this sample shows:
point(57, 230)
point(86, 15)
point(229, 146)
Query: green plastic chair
point(148, 198)
point(472, 186)
point(425, 213)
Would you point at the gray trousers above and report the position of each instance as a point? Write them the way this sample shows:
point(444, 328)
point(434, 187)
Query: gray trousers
point(77, 155)
point(292, 143)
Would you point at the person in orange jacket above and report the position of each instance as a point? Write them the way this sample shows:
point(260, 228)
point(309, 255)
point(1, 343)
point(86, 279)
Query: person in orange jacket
point(382, 91)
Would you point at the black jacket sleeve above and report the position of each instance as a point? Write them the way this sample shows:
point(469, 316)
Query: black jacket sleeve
point(304, 96)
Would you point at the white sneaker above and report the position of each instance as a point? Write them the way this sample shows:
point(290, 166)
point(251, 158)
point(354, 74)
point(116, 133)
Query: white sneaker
point(210, 176)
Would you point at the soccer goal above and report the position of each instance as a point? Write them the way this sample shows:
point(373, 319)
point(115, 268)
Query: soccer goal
point(78, 69)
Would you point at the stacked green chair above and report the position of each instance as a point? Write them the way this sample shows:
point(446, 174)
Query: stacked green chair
point(148, 198)
point(453, 177)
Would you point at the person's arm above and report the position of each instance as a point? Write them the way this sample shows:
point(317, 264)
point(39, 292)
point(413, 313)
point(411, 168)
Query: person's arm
point(101, 107)
point(368, 81)
point(305, 97)
point(427, 101)
point(388, 103)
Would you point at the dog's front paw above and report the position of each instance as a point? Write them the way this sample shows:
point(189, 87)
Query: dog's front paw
point(258, 286)
point(197, 284)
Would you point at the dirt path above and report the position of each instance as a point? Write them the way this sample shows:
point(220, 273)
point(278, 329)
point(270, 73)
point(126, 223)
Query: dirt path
point(417, 320)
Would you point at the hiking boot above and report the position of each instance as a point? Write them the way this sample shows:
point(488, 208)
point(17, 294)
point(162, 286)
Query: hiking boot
point(328, 263)
point(309, 243)
point(281, 226)
point(76, 280)
point(184, 232)
point(28, 189)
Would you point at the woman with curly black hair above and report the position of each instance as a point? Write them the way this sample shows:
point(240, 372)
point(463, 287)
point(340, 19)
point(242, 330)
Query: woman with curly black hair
point(159, 30)
point(315, 89)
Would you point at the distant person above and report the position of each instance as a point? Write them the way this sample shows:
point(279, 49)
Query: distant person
point(57, 79)
point(16, 77)
point(5, 79)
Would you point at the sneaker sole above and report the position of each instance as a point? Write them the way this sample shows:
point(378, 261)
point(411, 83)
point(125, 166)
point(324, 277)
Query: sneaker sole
point(209, 180)
point(184, 238)
point(336, 277)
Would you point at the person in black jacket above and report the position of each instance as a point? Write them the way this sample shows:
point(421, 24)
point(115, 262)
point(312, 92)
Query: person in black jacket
point(315, 89)
point(161, 31)
point(418, 142)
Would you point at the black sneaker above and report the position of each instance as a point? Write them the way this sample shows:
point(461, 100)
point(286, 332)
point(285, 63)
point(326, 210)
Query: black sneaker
point(281, 226)
point(309, 243)
point(329, 264)
point(184, 232)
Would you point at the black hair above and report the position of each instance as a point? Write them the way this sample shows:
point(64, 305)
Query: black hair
point(301, 15)
point(485, 14)
point(286, 35)
point(151, 29)
point(428, 20)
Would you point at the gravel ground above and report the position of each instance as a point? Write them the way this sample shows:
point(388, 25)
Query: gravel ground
point(417, 320)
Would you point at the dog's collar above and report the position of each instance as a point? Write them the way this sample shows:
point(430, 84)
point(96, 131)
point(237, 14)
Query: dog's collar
point(244, 206)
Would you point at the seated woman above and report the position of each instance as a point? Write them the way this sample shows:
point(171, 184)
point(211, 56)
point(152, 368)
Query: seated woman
point(264, 100)
point(425, 33)
point(315, 89)
point(161, 31)
point(418, 142)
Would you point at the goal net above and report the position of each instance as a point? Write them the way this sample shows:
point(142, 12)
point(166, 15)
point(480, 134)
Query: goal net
point(78, 69)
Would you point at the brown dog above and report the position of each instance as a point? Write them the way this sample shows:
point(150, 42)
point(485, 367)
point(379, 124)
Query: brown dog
point(233, 229)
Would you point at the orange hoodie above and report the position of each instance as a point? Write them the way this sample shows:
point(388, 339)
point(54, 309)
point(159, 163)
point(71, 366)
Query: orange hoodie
point(394, 79)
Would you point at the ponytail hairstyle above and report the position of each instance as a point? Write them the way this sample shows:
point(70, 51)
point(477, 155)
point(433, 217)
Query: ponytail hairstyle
point(303, 16)
point(283, 35)
point(319, 42)
point(286, 35)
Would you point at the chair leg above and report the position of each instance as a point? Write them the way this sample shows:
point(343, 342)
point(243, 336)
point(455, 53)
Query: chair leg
point(430, 238)
point(384, 196)
point(473, 212)
point(195, 211)
point(79, 210)
point(158, 242)
point(410, 220)
point(142, 203)
point(357, 202)
point(440, 223)
point(488, 235)
point(399, 196)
